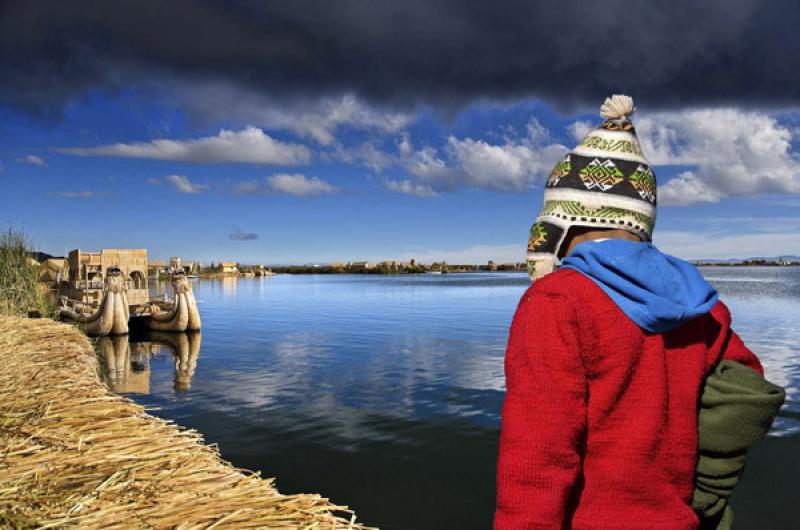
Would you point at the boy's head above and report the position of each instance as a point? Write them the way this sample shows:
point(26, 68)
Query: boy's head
point(604, 184)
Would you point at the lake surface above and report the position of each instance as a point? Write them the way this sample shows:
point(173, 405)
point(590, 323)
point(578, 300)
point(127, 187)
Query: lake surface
point(384, 392)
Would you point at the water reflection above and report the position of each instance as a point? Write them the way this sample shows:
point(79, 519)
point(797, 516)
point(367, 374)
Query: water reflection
point(185, 350)
point(126, 360)
point(229, 284)
point(126, 366)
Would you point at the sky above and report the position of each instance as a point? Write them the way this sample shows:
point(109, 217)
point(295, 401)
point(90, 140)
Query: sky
point(302, 132)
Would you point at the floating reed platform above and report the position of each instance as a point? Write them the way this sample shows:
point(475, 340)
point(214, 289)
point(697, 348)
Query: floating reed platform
point(73, 454)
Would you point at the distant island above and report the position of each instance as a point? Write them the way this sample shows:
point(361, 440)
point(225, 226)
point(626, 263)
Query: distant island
point(390, 267)
point(51, 266)
point(158, 269)
point(779, 261)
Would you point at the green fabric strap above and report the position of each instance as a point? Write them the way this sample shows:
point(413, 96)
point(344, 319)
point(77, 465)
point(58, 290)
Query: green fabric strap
point(737, 407)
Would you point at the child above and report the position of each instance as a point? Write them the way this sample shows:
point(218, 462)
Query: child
point(606, 356)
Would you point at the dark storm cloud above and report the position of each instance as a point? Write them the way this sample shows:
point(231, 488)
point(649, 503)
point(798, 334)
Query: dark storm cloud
point(441, 52)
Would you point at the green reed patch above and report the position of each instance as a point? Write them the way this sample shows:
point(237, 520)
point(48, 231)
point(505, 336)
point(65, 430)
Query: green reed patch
point(20, 292)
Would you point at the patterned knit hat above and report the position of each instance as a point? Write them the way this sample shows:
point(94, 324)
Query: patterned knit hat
point(604, 182)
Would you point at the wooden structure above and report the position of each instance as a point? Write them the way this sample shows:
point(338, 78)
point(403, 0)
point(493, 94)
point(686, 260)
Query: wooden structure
point(86, 272)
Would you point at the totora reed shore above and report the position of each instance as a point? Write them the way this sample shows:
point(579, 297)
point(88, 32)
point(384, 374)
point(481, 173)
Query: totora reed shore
point(74, 454)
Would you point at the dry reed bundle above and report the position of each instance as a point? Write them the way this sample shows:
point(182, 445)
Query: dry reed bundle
point(74, 454)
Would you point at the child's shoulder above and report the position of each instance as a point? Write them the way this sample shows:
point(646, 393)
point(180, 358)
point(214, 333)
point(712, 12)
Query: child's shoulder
point(560, 282)
point(563, 283)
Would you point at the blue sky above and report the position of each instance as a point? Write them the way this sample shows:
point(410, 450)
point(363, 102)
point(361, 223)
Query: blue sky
point(306, 131)
point(341, 179)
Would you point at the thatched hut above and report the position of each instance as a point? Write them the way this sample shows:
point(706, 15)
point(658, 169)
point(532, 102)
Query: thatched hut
point(228, 267)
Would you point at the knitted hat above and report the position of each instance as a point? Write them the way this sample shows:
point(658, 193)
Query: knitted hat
point(604, 182)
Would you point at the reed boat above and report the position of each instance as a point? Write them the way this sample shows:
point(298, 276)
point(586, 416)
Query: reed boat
point(109, 318)
point(114, 315)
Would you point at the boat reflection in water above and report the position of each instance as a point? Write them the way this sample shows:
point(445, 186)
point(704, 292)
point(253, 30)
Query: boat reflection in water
point(125, 360)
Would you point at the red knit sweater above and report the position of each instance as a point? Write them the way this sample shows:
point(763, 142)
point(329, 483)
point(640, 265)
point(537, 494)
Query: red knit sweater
point(600, 418)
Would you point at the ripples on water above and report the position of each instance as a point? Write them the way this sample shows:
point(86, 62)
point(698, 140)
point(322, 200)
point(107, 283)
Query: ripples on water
point(384, 392)
point(765, 304)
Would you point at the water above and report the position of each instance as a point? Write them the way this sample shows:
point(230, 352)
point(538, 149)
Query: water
point(384, 392)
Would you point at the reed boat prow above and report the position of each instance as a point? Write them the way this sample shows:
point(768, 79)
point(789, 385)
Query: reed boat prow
point(109, 318)
point(182, 315)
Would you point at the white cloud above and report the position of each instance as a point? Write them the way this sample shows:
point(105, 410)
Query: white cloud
point(154, 181)
point(295, 184)
point(501, 165)
point(731, 152)
point(250, 145)
point(366, 154)
point(580, 129)
point(410, 188)
point(299, 185)
point(424, 164)
point(33, 160)
point(184, 185)
point(319, 119)
point(476, 254)
point(686, 189)
point(725, 151)
point(513, 165)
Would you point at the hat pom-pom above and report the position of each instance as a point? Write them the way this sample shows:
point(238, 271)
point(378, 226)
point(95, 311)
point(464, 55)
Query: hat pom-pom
point(617, 107)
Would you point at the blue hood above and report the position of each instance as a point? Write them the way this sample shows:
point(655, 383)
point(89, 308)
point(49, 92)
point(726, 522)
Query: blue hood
point(657, 291)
